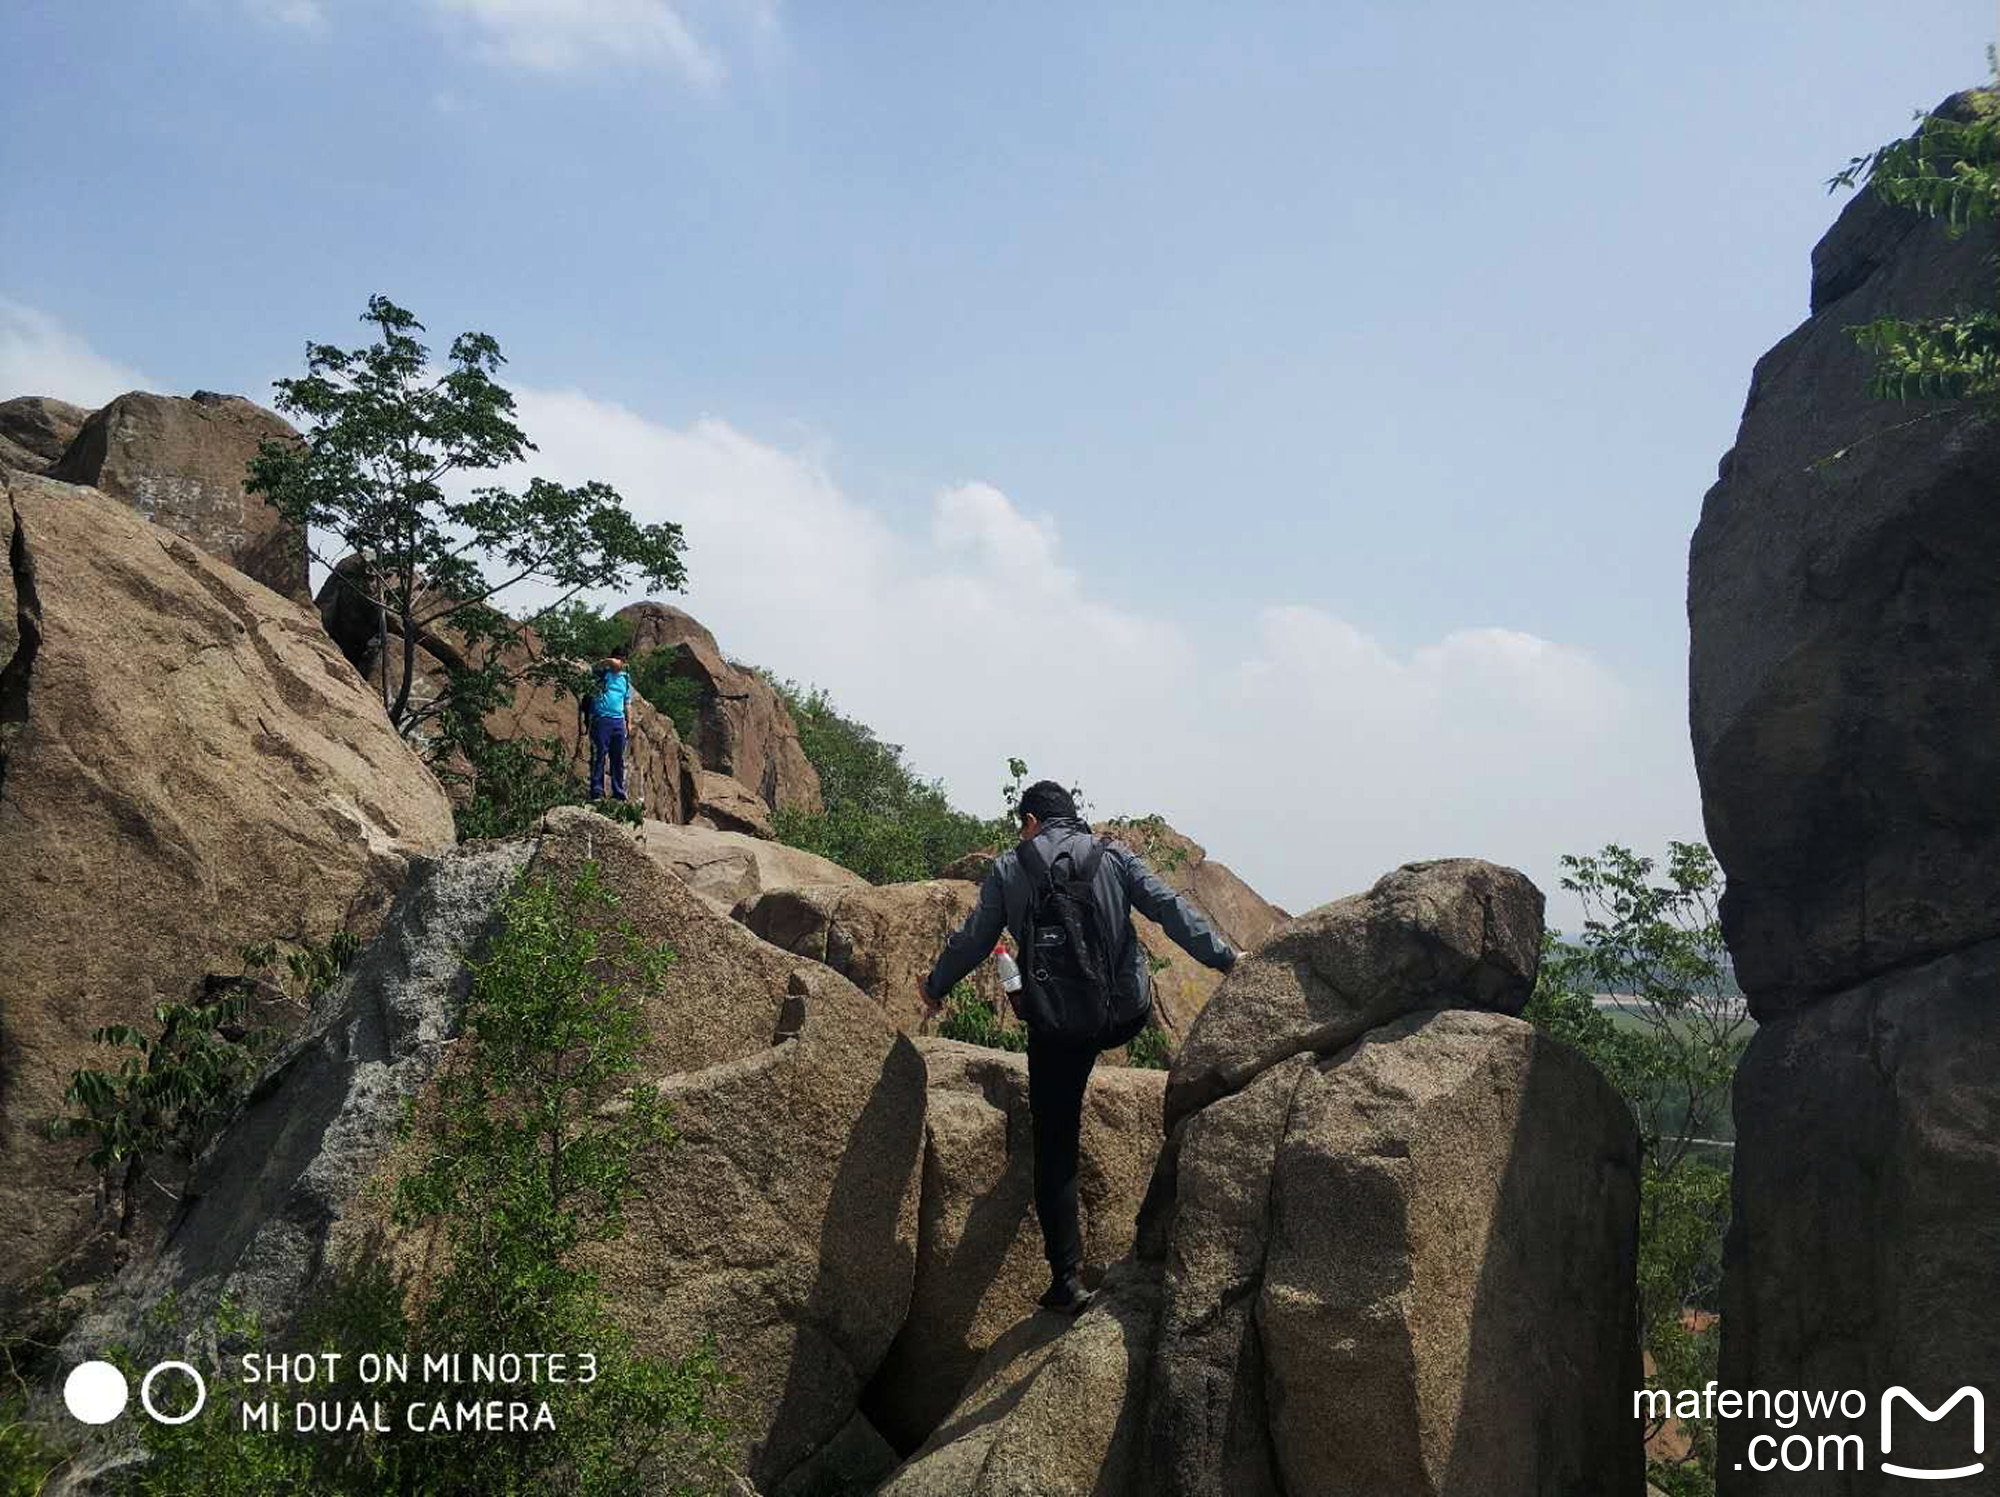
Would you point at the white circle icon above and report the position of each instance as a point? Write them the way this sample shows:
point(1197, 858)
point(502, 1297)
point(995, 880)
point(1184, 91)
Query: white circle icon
point(95, 1392)
point(146, 1392)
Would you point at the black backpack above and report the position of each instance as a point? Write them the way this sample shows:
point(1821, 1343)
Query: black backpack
point(1067, 993)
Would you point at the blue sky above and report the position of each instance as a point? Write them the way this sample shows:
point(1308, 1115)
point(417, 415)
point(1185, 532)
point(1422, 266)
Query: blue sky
point(1316, 399)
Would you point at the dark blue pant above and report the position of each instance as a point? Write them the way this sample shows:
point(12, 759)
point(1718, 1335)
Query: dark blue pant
point(1057, 1077)
point(607, 740)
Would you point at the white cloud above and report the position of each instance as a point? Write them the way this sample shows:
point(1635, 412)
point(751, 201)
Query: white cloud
point(299, 15)
point(560, 36)
point(1315, 761)
point(39, 356)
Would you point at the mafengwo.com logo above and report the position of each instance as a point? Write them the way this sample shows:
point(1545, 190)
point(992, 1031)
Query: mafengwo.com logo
point(1897, 1416)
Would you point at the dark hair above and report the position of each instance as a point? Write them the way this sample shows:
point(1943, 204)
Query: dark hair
point(1045, 799)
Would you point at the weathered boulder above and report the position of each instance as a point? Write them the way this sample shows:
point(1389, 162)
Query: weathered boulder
point(188, 766)
point(1860, 1247)
point(743, 728)
point(35, 431)
point(728, 868)
point(722, 804)
point(783, 1219)
point(180, 463)
point(1450, 1265)
point(1841, 600)
point(979, 1260)
point(882, 938)
point(1451, 933)
point(288, 1184)
point(1054, 1410)
point(1843, 594)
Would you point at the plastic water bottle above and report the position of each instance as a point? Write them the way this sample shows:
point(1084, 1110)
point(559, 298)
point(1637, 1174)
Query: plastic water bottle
point(1010, 974)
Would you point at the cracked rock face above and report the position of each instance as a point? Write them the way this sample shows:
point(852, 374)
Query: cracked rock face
point(180, 462)
point(742, 727)
point(1843, 588)
point(186, 766)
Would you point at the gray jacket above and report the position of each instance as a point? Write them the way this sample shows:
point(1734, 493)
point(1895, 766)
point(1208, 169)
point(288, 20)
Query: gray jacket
point(1124, 884)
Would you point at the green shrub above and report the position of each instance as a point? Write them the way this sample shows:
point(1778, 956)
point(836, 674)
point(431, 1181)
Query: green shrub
point(1149, 1050)
point(676, 697)
point(969, 1018)
point(526, 1153)
point(29, 1455)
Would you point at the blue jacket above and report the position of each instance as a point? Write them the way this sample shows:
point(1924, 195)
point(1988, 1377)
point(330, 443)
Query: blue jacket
point(1124, 883)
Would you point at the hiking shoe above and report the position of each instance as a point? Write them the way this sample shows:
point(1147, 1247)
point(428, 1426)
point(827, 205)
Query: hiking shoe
point(1066, 1295)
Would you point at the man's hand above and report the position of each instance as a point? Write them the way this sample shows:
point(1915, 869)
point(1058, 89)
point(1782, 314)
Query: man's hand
point(932, 1006)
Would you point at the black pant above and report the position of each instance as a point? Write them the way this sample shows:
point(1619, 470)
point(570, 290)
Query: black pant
point(1057, 1076)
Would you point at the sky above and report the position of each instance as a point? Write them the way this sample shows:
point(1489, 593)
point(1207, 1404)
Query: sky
point(1288, 418)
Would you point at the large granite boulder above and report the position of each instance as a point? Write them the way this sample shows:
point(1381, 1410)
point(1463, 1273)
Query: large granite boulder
point(1456, 932)
point(180, 463)
point(35, 431)
point(882, 938)
point(743, 728)
point(783, 1219)
point(731, 868)
point(188, 767)
point(1394, 1261)
point(717, 802)
point(1841, 598)
point(1843, 595)
point(979, 1258)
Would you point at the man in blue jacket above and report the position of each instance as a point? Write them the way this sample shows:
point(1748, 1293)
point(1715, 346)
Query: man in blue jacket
point(1053, 836)
point(609, 708)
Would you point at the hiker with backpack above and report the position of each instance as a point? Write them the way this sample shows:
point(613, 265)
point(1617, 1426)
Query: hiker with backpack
point(609, 711)
point(1067, 898)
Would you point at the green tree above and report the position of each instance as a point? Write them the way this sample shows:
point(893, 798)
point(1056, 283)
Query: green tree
point(383, 431)
point(1670, 1046)
point(1949, 169)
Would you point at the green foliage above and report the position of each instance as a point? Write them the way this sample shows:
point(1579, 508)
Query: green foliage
point(1670, 1051)
point(1948, 170)
point(382, 429)
point(1149, 1049)
point(29, 1455)
point(166, 1097)
point(527, 1153)
point(674, 696)
point(880, 819)
point(968, 1018)
point(506, 784)
point(1152, 839)
point(577, 631)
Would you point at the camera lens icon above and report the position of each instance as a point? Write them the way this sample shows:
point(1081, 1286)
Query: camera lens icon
point(97, 1392)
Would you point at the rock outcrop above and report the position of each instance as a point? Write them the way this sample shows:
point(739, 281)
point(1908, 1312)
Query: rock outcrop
point(730, 868)
point(655, 766)
point(783, 1218)
point(882, 938)
point(35, 431)
point(1456, 932)
point(1371, 1259)
point(742, 728)
point(722, 804)
point(979, 1245)
point(180, 463)
point(1843, 595)
point(186, 766)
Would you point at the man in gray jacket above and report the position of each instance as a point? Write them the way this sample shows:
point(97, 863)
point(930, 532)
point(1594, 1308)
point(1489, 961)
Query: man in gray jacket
point(1058, 1069)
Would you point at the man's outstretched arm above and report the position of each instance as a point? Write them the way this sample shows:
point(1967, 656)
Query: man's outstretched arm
point(971, 943)
point(1182, 922)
